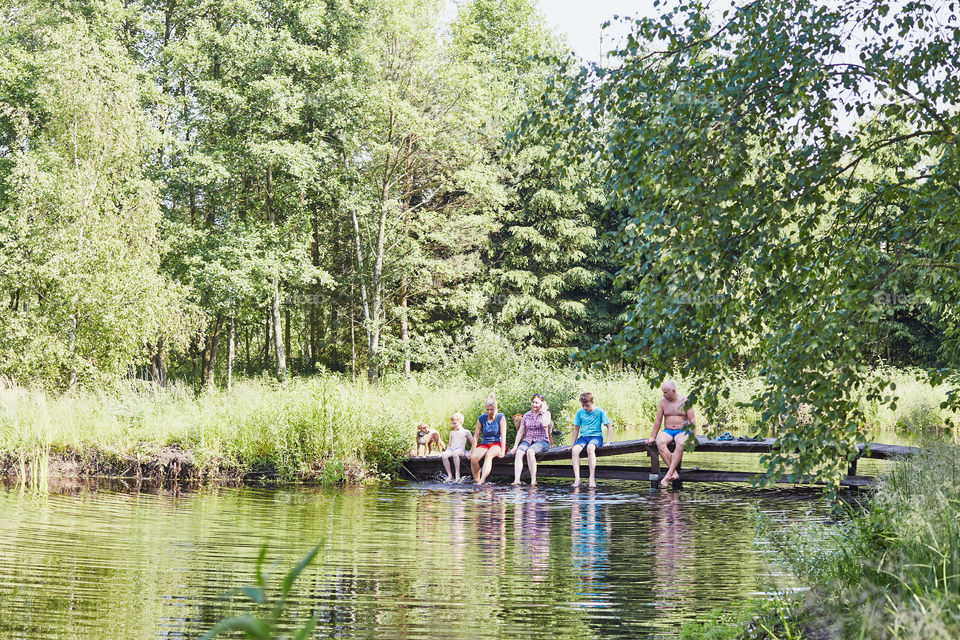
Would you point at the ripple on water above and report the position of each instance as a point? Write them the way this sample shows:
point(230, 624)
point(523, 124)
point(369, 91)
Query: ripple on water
point(415, 560)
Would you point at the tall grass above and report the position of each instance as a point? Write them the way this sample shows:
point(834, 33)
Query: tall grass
point(893, 569)
point(329, 428)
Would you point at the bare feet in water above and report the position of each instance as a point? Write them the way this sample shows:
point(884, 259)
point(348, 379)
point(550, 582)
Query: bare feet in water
point(576, 483)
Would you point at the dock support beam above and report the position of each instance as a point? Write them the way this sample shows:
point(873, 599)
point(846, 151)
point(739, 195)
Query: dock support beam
point(654, 467)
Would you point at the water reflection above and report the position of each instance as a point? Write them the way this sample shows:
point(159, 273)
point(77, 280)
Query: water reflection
point(531, 529)
point(674, 552)
point(408, 561)
point(590, 532)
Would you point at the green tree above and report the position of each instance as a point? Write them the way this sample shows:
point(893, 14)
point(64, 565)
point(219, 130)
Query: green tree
point(79, 240)
point(255, 99)
point(785, 171)
point(426, 180)
point(547, 258)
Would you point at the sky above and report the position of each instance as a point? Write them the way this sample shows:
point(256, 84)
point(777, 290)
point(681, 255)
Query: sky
point(579, 21)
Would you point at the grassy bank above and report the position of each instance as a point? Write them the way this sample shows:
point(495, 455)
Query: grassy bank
point(328, 428)
point(892, 570)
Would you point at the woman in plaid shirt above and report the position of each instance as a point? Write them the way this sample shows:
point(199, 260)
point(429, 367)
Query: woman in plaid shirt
point(534, 434)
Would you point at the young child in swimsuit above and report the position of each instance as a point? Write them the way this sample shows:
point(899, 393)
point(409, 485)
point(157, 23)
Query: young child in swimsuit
point(457, 447)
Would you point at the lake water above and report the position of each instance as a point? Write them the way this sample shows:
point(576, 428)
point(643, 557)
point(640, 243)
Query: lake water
point(417, 560)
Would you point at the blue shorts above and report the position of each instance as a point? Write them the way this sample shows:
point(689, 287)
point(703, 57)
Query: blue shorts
point(583, 441)
point(537, 447)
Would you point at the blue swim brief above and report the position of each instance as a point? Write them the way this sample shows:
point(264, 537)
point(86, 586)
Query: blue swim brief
point(673, 433)
point(537, 447)
point(583, 441)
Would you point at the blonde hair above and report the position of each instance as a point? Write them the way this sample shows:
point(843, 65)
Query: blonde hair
point(491, 402)
point(458, 416)
point(586, 396)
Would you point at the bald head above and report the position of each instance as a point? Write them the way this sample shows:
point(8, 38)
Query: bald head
point(669, 389)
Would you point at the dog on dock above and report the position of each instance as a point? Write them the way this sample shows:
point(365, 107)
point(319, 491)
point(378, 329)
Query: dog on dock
point(426, 438)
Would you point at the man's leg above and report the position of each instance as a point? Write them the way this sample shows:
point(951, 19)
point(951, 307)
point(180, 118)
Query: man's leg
point(445, 459)
point(663, 439)
point(532, 464)
point(517, 465)
point(575, 457)
point(592, 462)
point(488, 462)
point(475, 456)
point(672, 474)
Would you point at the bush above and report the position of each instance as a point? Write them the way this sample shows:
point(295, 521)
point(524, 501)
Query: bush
point(893, 569)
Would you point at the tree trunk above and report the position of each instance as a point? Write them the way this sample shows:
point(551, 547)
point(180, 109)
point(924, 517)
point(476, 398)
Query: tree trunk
point(72, 345)
point(353, 334)
point(286, 332)
point(208, 359)
point(281, 358)
point(266, 341)
point(309, 331)
point(157, 371)
point(230, 354)
point(246, 335)
point(404, 332)
point(369, 319)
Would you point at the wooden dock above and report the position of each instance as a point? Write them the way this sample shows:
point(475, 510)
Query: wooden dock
point(418, 468)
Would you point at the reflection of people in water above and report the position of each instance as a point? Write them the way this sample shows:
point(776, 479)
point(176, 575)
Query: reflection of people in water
point(458, 541)
point(531, 531)
point(491, 527)
point(590, 531)
point(673, 552)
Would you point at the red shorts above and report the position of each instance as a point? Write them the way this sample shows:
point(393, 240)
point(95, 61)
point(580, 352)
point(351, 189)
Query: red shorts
point(488, 445)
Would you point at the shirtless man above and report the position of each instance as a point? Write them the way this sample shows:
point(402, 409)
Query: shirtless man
point(678, 424)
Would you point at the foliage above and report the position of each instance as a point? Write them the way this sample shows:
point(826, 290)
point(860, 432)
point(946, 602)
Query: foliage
point(893, 569)
point(764, 219)
point(79, 220)
point(547, 270)
point(756, 620)
point(266, 625)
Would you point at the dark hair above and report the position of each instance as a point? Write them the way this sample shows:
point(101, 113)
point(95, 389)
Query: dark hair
point(537, 395)
point(586, 396)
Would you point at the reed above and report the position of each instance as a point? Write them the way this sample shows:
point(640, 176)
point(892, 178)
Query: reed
point(892, 569)
point(331, 429)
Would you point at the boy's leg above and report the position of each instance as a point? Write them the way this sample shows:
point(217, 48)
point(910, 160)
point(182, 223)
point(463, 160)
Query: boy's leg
point(517, 465)
point(488, 462)
point(532, 465)
point(445, 459)
point(456, 464)
point(575, 456)
point(592, 462)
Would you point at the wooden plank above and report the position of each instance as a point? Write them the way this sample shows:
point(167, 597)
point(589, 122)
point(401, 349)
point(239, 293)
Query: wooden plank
point(647, 474)
point(704, 445)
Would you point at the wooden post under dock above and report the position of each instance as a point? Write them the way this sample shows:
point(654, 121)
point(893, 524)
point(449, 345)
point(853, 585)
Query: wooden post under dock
point(423, 467)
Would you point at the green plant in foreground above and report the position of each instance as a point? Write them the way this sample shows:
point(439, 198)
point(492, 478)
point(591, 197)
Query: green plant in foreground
point(757, 620)
point(264, 627)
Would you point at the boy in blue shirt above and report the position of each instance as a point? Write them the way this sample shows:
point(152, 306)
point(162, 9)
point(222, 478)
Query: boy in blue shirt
point(588, 433)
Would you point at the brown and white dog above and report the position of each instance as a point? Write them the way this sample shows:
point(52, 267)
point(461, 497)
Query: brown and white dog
point(426, 438)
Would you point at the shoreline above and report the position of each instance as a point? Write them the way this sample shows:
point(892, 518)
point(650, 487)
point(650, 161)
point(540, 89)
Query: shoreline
point(166, 466)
